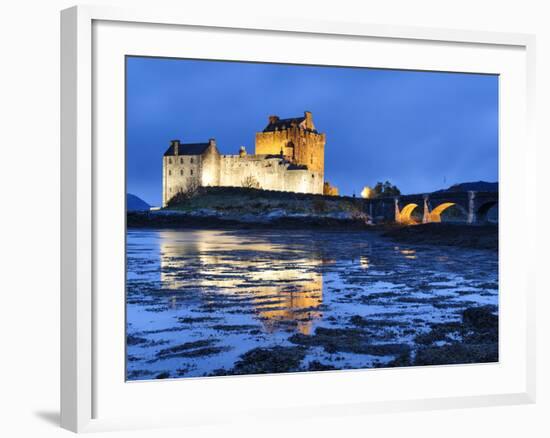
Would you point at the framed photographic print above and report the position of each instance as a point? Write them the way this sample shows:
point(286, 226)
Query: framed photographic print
point(253, 209)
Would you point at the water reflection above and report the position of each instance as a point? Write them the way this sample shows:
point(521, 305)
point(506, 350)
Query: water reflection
point(284, 285)
point(202, 302)
point(408, 253)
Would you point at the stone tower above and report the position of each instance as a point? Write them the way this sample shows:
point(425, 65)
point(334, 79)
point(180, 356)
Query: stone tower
point(296, 139)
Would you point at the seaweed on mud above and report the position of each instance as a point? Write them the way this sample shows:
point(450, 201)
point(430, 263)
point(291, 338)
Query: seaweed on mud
point(187, 346)
point(452, 304)
point(164, 330)
point(439, 332)
point(218, 304)
point(457, 354)
point(481, 317)
point(135, 340)
point(277, 359)
point(487, 285)
point(201, 352)
point(234, 327)
point(198, 348)
point(346, 340)
point(401, 360)
point(157, 309)
point(182, 371)
point(136, 374)
point(375, 296)
point(472, 340)
point(315, 365)
point(359, 321)
point(198, 319)
point(440, 299)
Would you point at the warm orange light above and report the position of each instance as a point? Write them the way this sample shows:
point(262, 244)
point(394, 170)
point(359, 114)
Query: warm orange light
point(366, 193)
point(405, 214)
point(435, 214)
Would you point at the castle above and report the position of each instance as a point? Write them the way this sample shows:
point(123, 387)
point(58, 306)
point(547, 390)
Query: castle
point(289, 156)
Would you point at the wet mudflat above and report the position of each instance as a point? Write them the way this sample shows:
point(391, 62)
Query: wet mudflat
point(208, 302)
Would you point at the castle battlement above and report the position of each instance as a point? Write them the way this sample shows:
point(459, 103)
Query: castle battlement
point(289, 156)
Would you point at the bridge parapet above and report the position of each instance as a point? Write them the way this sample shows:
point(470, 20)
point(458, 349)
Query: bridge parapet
point(475, 206)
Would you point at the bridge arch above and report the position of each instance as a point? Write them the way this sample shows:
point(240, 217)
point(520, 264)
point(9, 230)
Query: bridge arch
point(435, 214)
point(483, 210)
point(406, 212)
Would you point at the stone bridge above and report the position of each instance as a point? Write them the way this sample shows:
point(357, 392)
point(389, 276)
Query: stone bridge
point(474, 205)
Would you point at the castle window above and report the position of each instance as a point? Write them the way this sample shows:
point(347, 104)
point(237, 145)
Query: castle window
point(169, 160)
point(191, 160)
point(191, 171)
point(181, 172)
point(170, 172)
point(181, 160)
point(170, 189)
point(312, 175)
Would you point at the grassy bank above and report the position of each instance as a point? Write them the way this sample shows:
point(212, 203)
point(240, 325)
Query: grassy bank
point(242, 200)
point(235, 207)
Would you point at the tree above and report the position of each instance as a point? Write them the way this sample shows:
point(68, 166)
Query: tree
point(250, 183)
point(184, 194)
point(385, 190)
point(367, 192)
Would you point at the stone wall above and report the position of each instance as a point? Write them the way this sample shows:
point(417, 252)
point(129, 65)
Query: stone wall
point(270, 174)
point(183, 173)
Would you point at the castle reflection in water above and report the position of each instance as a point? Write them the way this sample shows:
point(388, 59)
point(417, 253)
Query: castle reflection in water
point(284, 285)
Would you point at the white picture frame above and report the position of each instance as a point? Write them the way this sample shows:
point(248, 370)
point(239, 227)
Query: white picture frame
point(84, 371)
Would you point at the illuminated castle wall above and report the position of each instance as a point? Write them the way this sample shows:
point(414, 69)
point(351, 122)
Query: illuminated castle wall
point(289, 156)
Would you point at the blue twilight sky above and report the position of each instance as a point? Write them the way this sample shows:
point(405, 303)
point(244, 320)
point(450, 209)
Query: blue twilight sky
point(423, 131)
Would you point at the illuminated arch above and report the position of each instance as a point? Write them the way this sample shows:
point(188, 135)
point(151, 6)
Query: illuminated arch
point(405, 214)
point(435, 214)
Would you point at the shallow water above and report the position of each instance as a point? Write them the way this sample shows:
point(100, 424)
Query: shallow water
point(197, 300)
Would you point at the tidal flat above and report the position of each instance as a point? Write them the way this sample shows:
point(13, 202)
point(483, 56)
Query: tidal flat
point(232, 302)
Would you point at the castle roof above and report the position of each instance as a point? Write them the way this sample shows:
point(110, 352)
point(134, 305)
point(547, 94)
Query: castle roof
point(279, 124)
point(283, 123)
point(305, 122)
point(187, 149)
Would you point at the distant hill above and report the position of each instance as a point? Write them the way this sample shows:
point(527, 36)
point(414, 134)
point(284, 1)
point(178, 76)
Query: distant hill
point(133, 203)
point(479, 186)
